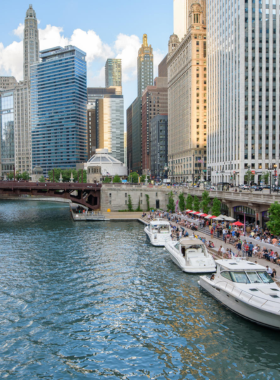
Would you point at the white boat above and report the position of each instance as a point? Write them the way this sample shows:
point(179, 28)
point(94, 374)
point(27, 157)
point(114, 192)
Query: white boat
point(191, 255)
point(158, 232)
point(246, 289)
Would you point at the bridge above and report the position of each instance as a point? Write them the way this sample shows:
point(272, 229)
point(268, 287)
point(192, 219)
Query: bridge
point(85, 194)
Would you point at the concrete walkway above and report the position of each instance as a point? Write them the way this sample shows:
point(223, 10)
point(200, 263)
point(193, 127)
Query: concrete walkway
point(122, 215)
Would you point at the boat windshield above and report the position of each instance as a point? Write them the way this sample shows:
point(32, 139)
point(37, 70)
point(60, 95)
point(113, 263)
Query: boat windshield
point(254, 278)
point(239, 277)
point(163, 228)
point(265, 277)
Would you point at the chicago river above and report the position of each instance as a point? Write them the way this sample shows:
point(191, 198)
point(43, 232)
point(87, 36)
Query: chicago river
point(93, 300)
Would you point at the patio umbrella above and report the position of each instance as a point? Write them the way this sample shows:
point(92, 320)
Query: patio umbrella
point(219, 218)
point(196, 212)
point(238, 224)
point(230, 219)
point(213, 217)
point(189, 212)
point(208, 216)
point(200, 214)
point(204, 215)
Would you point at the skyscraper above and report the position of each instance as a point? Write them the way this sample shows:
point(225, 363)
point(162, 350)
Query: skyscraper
point(187, 102)
point(243, 88)
point(30, 42)
point(7, 148)
point(113, 73)
point(58, 108)
point(145, 66)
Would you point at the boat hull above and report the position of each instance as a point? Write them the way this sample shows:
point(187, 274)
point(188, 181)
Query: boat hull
point(159, 242)
point(243, 309)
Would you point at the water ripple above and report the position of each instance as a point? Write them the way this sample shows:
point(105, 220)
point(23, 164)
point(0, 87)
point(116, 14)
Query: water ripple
point(94, 300)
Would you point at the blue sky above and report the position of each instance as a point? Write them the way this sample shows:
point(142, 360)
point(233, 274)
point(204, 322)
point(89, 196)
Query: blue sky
point(103, 28)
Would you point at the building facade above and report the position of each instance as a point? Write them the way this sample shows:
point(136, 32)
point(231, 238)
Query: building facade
point(154, 102)
point(7, 149)
point(145, 66)
point(187, 101)
point(59, 108)
point(137, 135)
point(113, 73)
point(159, 146)
point(7, 83)
point(91, 131)
point(111, 125)
point(30, 42)
point(129, 136)
point(243, 89)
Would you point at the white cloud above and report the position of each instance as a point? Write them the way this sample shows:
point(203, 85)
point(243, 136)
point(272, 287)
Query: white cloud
point(125, 47)
point(158, 57)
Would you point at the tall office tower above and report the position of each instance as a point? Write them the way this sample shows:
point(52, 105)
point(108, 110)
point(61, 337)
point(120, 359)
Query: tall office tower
point(111, 125)
point(59, 108)
point(159, 146)
point(181, 19)
point(7, 149)
point(137, 135)
point(187, 99)
point(145, 66)
point(243, 88)
point(91, 131)
point(129, 136)
point(6, 83)
point(30, 42)
point(154, 102)
point(113, 74)
point(125, 148)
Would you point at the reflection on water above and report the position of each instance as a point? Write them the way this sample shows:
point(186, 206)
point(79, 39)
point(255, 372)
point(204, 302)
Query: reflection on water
point(94, 300)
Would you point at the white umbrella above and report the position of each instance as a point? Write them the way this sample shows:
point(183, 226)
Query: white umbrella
point(219, 218)
point(208, 216)
point(229, 219)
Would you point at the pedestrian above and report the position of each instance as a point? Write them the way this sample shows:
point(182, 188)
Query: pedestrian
point(250, 250)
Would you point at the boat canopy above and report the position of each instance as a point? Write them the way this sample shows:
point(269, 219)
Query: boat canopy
point(191, 241)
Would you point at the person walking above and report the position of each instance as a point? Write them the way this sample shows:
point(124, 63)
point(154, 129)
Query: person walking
point(250, 250)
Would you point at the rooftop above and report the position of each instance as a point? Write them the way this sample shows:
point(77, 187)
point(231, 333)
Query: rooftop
point(239, 264)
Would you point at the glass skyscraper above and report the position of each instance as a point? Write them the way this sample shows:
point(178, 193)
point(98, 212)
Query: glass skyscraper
point(59, 109)
point(113, 72)
point(7, 132)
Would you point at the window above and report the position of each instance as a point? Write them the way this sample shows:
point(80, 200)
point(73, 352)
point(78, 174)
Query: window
point(253, 277)
point(226, 275)
point(125, 195)
point(239, 277)
point(196, 18)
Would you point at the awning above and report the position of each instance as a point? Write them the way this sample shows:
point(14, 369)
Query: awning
point(200, 214)
point(238, 224)
point(211, 217)
point(189, 212)
point(204, 215)
point(195, 212)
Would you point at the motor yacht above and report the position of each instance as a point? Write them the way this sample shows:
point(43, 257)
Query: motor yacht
point(246, 289)
point(191, 255)
point(158, 232)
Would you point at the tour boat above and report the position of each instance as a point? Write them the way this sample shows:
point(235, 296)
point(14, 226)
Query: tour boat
point(158, 232)
point(191, 255)
point(246, 289)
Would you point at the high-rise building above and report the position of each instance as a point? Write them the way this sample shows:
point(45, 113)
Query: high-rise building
point(243, 89)
point(129, 136)
point(113, 73)
point(30, 42)
point(145, 66)
point(59, 108)
point(111, 125)
point(137, 135)
point(159, 146)
point(93, 95)
point(6, 83)
point(125, 148)
point(181, 19)
point(187, 101)
point(154, 102)
point(7, 149)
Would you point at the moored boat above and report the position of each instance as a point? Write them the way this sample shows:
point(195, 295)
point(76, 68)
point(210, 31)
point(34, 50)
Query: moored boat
point(191, 255)
point(246, 289)
point(158, 232)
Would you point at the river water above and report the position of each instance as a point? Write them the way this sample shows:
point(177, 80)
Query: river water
point(95, 300)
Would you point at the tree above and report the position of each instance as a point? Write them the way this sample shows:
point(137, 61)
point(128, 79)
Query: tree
point(107, 180)
point(10, 175)
point(205, 202)
point(142, 178)
point(274, 218)
point(196, 204)
point(171, 204)
point(130, 208)
point(265, 177)
point(249, 177)
point(42, 179)
point(117, 179)
point(216, 208)
point(139, 207)
point(66, 175)
point(25, 176)
point(189, 203)
point(134, 177)
point(182, 203)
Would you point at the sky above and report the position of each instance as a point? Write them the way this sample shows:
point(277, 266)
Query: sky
point(103, 29)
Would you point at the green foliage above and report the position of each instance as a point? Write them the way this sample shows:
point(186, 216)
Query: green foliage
point(274, 219)
point(139, 207)
point(189, 203)
point(216, 208)
point(117, 179)
point(205, 202)
point(265, 177)
point(66, 175)
point(196, 204)
point(129, 205)
point(249, 176)
point(142, 178)
point(25, 176)
point(42, 179)
point(107, 180)
point(134, 177)
point(10, 175)
point(182, 204)
point(148, 202)
point(171, 204)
